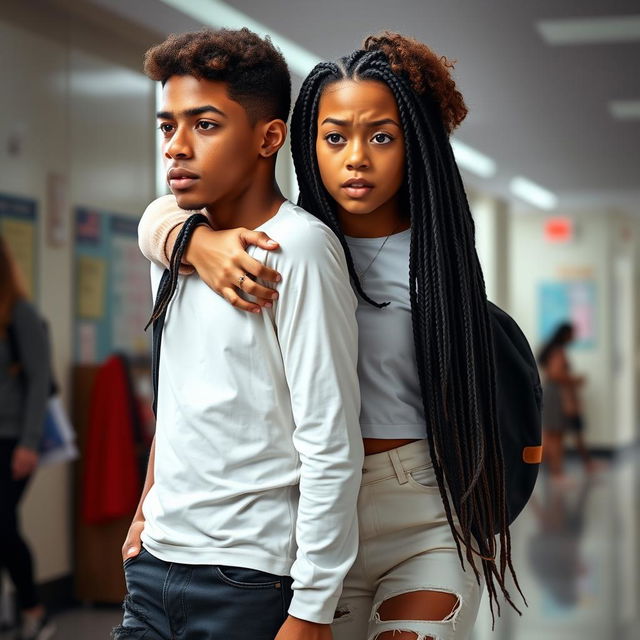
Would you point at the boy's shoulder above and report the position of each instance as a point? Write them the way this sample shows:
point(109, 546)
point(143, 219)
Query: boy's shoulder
point(301, 235)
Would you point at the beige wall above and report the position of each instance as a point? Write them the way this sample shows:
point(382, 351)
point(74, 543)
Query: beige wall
point(80, 115)
point(491, 218)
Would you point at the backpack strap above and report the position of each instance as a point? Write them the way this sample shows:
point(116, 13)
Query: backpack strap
point(166, 289)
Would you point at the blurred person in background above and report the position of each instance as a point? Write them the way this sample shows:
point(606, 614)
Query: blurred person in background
point(562, 409)
point(24, 392)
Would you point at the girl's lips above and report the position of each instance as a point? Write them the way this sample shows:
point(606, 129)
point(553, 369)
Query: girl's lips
point(357, 192)
point(182, 183)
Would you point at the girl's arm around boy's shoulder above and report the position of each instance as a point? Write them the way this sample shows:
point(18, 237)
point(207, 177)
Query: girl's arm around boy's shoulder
point(218, 256)
point(159, 219)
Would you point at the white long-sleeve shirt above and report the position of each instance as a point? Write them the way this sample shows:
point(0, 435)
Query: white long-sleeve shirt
point(258, 449)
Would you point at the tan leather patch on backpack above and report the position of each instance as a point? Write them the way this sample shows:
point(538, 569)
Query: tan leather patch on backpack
point(532, 455)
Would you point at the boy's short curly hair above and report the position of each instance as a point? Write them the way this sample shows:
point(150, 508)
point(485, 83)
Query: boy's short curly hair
point(255, 71)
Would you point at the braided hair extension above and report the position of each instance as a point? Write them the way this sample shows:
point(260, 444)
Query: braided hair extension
point(451, 326)
point(168, 287)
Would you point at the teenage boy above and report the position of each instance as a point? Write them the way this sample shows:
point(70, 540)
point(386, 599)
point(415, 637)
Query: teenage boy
point(248, 509)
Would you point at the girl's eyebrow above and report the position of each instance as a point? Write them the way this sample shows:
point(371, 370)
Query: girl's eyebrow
point(374, 123)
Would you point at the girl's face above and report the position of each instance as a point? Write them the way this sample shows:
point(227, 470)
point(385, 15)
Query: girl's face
point(360, 151)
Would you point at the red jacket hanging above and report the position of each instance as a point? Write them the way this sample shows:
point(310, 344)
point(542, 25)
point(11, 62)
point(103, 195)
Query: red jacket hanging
point(112, 483)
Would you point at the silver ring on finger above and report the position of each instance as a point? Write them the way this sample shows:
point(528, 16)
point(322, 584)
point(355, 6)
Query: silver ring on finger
point(241, 279)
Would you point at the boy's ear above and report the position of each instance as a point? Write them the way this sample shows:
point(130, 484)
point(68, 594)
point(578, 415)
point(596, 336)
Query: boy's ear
point(274, 134)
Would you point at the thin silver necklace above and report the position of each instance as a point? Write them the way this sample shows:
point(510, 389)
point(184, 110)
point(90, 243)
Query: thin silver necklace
point(362, 273)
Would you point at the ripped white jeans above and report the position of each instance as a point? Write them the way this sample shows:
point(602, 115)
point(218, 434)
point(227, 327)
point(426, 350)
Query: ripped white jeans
point(405, 545)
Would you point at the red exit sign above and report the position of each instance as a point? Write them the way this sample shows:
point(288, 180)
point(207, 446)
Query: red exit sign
point(558, 230)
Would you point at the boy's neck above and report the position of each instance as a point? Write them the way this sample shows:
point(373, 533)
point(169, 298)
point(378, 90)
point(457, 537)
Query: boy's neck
point(249, 209)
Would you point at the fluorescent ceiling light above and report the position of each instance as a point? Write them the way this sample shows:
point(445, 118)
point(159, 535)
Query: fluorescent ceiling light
point(107, 82)
point(219, 14)
point(533, 193)
point(625, 109)
point(472, 160)
point(590, 30)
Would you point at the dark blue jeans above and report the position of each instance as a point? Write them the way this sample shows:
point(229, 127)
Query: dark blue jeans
point(167, 601)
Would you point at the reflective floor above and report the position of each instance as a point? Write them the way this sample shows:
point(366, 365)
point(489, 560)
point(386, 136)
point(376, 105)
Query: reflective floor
point(85, 623)
point(576, 555)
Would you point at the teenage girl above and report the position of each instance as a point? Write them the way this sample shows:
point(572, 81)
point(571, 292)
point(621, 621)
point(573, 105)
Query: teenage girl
point(370, 143)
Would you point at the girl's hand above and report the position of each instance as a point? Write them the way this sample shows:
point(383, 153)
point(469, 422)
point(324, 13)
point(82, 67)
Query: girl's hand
point(220, 258)
point(23, 462)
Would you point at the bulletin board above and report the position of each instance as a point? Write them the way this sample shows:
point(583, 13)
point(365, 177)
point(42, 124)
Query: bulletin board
point(571, 301)
point(112, 287)
point(19, 227)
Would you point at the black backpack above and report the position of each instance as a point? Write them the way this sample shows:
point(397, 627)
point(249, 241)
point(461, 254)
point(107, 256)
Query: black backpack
point(519, 400)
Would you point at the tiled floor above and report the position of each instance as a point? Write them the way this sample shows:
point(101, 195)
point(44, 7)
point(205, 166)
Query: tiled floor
point(576, 554)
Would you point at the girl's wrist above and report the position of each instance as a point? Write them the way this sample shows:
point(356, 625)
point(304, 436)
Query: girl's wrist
point(194, 250)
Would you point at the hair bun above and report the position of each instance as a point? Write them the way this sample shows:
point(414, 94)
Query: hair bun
point(427, 72)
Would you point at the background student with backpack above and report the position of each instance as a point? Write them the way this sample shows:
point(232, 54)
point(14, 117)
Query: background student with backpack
point(450, 391)
point(25, 384)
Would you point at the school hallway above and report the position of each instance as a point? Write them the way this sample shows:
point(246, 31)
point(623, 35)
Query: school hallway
point(548, 155)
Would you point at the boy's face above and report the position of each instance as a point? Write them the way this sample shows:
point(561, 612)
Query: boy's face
point(210, 147)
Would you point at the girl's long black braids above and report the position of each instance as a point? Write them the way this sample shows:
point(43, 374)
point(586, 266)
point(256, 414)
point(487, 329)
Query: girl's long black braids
point(451, 325)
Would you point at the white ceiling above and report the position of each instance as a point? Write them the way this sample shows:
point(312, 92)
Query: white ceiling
point(538, 110)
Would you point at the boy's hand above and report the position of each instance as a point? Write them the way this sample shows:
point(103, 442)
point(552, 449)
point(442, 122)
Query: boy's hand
point(221, 260)
point(296, 629)
point(132, 544)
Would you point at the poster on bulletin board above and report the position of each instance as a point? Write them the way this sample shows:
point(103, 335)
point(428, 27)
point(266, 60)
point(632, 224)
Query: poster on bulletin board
point(112, 289)
point(18, 226)
point(569, 301)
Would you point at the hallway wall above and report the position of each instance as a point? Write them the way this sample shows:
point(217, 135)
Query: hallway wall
point(69, 108)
